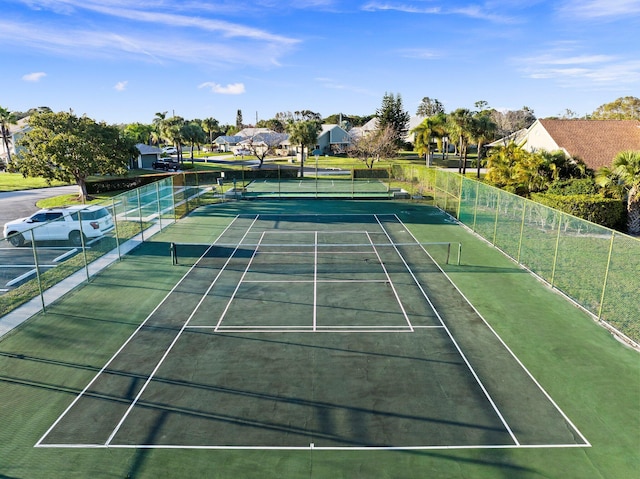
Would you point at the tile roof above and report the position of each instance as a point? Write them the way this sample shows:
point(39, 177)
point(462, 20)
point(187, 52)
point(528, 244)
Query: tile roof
point(596, 142)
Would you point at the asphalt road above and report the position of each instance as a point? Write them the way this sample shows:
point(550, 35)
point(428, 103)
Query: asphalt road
point(17, 204)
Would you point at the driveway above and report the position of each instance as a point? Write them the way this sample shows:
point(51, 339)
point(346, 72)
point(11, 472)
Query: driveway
point(17, 204)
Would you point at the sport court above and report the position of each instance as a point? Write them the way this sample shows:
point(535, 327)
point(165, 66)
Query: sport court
point(328, 331)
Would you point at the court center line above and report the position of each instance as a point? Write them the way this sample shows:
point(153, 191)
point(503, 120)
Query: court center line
point(175, 340)
point(455, 343)
point(524, 368)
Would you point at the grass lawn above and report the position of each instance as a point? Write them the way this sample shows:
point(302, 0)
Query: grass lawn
point(16, 182)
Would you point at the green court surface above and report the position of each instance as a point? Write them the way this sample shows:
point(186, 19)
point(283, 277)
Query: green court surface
point(317, 339)
point(318, 187)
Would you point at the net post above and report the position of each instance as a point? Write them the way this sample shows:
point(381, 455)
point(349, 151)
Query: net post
point(448, 252)
point(174, 253)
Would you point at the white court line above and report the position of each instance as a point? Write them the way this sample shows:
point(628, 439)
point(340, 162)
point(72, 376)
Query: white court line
point(82, 393)
point(315, 281)
point(235, 291)
point(395, 293)
point(312, 446)
point(462, 355)
point(544, 392)
point(175, 340)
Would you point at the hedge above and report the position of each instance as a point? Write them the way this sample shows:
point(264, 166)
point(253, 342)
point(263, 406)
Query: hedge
point(608, 212)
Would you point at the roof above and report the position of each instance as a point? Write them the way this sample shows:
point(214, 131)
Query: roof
point(228, 139)
point(517, 137)
point(596, 142)
point(147, 149)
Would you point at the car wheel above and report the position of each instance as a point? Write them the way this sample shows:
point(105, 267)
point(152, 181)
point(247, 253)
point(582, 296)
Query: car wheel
point(16, 239)
point(76, 238)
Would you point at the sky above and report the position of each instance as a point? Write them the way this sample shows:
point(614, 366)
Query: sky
point(121, 61)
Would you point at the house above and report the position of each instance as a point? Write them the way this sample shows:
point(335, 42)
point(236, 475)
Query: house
point(148, 155)
point(332, 139)
point(226, 143)
point(595, 142)
point(16, 132)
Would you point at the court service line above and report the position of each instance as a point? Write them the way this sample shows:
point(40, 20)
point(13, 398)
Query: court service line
point(175, 340)
point(235, 291)
point(395, 292)
point(97, 375)
point(524, 368)
point(455, 343)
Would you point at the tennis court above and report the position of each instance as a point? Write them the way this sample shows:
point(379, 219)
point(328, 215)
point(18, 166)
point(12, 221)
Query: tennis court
point(318, 187)
point(313, 331)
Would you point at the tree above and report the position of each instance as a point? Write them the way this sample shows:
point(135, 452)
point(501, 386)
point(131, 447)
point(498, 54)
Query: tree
point(139, 132)
point(429, 107)
point(392, 114)
point(624, 108)
point(62, 146)
point(262, 145)
point(514, 169)
point(431, 127)
point(6, 120)
point(510, 121)
point(211, 126)
point(172, 132)
point(239, 123)
point(193, 134)
point(304, 133)
point(158, 127)
point(483, 129)
point(461, 128)
point(375, 146)
point(625, 171)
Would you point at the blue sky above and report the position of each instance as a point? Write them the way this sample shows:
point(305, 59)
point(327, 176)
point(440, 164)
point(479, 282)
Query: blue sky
point(122, 61)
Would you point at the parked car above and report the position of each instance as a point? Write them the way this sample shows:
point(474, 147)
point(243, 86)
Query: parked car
point(169, 150)
point(166, 164)
point(69, 223)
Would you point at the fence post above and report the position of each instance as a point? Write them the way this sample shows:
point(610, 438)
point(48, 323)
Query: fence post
point(495, 222)
point(140, 214)
point(159, 205)
point(555, 255)
point(115, 224)
point(83, 246)
point(35, 259)
point(606, 275)
point(475, 207)
point(524, 211)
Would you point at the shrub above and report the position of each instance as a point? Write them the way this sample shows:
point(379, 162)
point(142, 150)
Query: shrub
point(608, 212)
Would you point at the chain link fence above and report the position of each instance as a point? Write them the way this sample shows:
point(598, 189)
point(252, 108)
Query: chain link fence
point(596, 267)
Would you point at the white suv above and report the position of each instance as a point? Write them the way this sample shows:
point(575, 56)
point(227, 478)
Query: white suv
point(57, 224)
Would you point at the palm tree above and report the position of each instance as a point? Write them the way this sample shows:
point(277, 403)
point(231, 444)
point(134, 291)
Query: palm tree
point(424, 132)
point(158, 127)
point(210, 126)
point(625, 173)
point(483, 130)
point(304, 133)
point(461, 128)
point(6, 119)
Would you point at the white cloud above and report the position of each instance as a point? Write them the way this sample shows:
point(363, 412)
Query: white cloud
point(120, 86)
point(230, 89)
point(572, 70)
point(34, 77)
point(415, 7)
point(600, 9)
